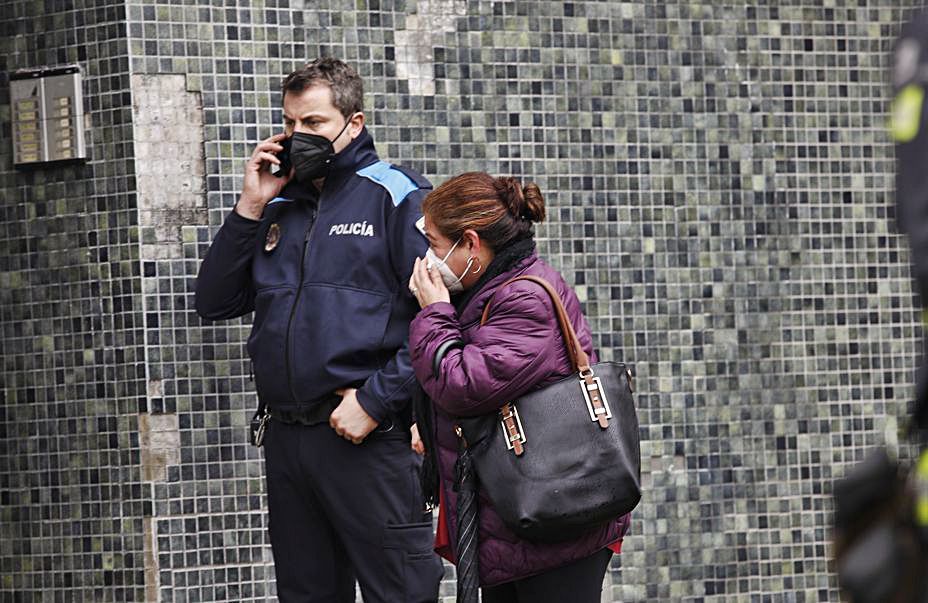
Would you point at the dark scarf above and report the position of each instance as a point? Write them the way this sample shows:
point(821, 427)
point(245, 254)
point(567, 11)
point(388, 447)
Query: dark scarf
point(504, 260)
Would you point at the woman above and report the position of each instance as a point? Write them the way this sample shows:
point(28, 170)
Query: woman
point(480, 235)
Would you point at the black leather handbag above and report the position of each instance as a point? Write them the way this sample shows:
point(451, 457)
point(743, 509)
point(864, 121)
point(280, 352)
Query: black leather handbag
point(564, 459)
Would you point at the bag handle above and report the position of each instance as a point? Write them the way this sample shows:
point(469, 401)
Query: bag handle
point(578, 359)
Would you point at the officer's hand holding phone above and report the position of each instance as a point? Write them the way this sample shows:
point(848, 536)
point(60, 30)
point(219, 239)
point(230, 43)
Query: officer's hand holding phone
point(260, 185)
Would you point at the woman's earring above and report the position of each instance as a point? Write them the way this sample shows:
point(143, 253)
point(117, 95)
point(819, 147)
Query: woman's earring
point(479, 268)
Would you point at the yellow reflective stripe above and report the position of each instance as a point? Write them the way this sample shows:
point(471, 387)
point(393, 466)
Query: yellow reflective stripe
point(906, 113)
point(921, 504)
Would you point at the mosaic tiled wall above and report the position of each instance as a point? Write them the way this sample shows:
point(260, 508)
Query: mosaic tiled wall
point(72, 382)
point(720, 191)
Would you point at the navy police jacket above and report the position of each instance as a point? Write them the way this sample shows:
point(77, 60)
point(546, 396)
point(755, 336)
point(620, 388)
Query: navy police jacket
point(326, 274)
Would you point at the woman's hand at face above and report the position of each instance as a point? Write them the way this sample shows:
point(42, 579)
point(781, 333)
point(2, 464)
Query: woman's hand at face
point(427, 285)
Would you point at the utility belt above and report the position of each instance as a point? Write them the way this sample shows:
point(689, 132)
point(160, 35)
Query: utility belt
point(306, 414)
point(309, 413)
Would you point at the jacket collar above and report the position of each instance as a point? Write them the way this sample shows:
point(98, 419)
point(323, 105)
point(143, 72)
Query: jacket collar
point(359, 153)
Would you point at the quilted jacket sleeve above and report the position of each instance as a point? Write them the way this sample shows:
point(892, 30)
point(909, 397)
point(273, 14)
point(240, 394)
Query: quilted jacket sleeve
point(518, 347)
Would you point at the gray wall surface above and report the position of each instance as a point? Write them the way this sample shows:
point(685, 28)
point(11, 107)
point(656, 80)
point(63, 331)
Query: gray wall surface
point(720, 189)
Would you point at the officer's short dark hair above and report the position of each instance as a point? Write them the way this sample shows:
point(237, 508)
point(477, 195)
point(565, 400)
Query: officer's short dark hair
point(344, 82)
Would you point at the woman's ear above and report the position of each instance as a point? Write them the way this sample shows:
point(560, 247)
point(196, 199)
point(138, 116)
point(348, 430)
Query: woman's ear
point(473, 241)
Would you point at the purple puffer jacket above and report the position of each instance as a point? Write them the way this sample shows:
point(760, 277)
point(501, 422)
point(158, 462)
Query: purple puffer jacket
point(519, 349)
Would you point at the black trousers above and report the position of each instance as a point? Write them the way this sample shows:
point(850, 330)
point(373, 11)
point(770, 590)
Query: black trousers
point(340, 511)
point(577, 582)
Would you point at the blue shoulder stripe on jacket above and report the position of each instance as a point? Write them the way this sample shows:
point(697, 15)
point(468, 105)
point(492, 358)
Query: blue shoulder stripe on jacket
point(396, 182)
point(278, 200)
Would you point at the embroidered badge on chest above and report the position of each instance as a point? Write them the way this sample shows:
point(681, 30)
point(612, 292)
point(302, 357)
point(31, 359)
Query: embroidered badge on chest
point(272, 238)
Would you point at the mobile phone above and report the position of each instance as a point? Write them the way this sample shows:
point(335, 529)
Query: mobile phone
point(284, 168)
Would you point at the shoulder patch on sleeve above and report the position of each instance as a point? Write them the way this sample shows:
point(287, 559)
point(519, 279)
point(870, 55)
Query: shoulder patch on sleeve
point(420, 180)
point(397, 183)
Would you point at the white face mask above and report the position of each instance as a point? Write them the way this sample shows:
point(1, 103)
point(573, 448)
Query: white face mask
point(451, 280)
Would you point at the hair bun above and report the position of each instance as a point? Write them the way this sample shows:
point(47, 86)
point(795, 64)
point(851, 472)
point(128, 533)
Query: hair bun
point(510, 193)
point(523, 202)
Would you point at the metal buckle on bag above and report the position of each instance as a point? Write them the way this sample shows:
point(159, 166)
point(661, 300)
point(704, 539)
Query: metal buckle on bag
point(595, 398)
point(513, 432)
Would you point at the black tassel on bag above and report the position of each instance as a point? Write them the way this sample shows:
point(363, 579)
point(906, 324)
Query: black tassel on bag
point(465, 483)
point(428, 472)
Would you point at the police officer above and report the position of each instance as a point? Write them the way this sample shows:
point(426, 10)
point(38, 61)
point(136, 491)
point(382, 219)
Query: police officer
point(321, 251)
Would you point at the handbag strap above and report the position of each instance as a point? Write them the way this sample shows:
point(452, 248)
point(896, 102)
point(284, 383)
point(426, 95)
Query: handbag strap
point(578, 358)
point(579, 361)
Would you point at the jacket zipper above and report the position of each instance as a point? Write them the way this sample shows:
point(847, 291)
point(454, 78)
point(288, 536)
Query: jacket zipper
point(314, 215)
